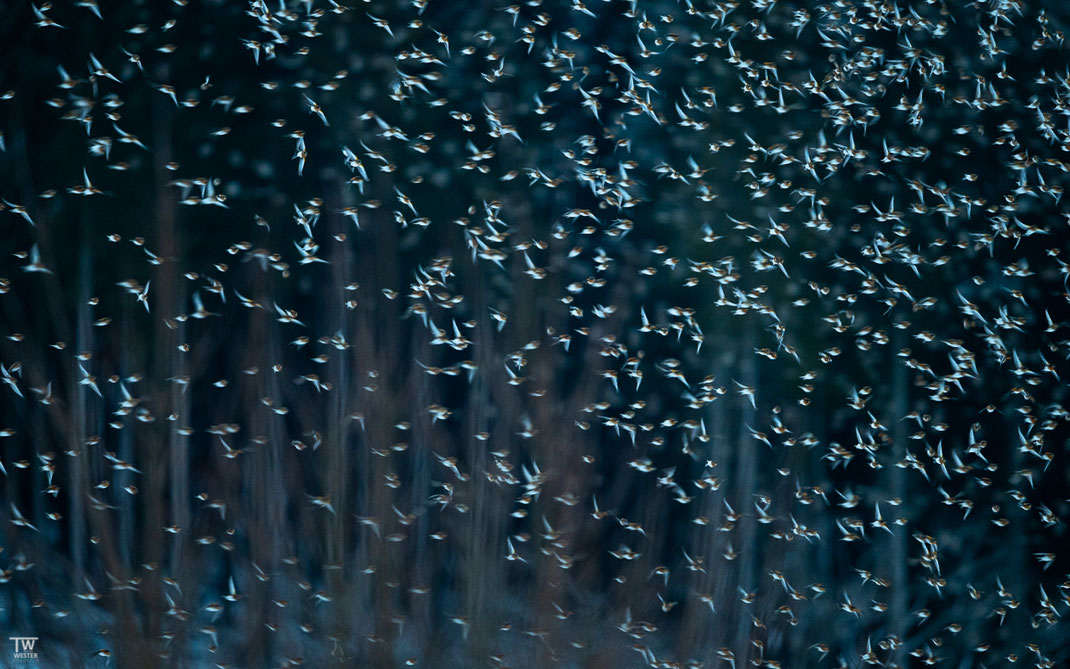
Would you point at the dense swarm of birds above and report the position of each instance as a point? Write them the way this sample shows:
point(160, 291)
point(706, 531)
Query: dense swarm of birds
point(613, 333)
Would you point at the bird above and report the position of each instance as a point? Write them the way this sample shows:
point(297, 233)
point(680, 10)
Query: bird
point(565, 253)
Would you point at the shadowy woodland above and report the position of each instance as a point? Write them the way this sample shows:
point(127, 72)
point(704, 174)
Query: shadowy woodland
point(608, 334)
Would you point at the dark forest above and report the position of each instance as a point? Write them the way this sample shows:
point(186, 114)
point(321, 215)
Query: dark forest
point(581, 333)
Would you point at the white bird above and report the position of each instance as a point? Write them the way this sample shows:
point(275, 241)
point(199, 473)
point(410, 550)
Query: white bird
point(143, 296)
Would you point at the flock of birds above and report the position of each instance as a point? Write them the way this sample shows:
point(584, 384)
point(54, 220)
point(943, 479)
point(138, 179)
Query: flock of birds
point(683, 289)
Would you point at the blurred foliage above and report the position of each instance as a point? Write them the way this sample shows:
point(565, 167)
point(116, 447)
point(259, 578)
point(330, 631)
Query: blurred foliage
point(613, 334)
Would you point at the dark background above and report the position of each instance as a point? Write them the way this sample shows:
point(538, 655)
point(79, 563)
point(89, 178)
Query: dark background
point(680, 235)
